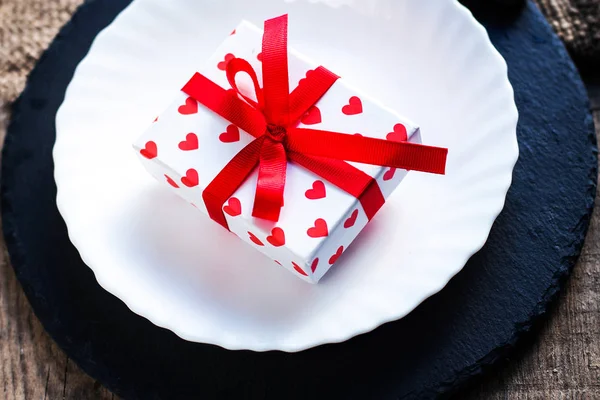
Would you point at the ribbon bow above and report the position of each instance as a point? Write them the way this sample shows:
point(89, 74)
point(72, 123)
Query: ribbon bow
point(272, 120)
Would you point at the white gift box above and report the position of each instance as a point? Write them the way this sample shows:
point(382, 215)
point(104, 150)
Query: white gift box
point(188, 144)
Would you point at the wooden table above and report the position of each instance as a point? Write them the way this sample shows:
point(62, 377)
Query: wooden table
point(561, 361)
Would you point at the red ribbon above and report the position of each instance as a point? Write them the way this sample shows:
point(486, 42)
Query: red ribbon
point(272, 120)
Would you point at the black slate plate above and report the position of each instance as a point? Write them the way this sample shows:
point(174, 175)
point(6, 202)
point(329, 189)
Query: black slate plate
point(449, 339)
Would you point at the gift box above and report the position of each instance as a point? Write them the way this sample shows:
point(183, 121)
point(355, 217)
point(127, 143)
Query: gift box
point(301, 210)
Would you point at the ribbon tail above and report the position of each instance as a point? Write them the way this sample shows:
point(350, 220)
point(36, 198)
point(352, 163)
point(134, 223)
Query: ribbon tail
point(224, 185)
point(403, 155)
point(271, 181)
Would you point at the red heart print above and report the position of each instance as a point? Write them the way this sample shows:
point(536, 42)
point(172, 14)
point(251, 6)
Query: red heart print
point(171, 181)
point(299, 270)
point(319, 229)
point(190, 107)
point(255, 239)
point(232, 32)
point(222, 65)
point(312, 116)
point(277, 237)
point(353, 107)
point(259, 56)
point(150, 150)
point(352, 220)
point(389, 174)
point(317, 191)
point(191, 178)
point(399, 134)
point(313, 266)
point(308, 73)
point(155, 119)
point(190, 142)
point(233, 207)
point(231, 135)
point(337, 255)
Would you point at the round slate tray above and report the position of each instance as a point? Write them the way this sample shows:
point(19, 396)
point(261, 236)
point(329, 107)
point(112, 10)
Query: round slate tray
point(447, 340)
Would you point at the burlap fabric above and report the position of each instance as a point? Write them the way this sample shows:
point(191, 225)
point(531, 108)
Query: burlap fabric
point(26, 29)
point(577, 22)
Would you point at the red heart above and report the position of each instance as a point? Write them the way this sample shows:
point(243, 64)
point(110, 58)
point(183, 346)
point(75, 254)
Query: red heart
point(308, 73)
point(319, 230)
point(150, 150)
point(299, 270)
point(233, 207)
point(317, 191)
point(155, 119)
point(389, 174)
point(350, 221)
point(353, 107)
point(255, 239)
point(312, 116)
point(314, 264)
point(259, 56)
point(171, 181)
point(277, 237)
point(190, 142)
point(232, 32)
point(222, 65)
point(191, 178)
point(190, 107)
point(337, 255)
point(399, 134)
point(231, 135)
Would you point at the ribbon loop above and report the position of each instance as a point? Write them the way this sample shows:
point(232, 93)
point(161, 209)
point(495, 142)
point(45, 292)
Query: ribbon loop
point(226, 103)
point(276, 88)
point(240, 65)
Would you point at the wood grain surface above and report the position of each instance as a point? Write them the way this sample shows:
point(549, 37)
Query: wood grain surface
point(561, 361)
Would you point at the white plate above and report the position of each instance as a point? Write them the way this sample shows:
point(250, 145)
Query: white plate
point(428, 59)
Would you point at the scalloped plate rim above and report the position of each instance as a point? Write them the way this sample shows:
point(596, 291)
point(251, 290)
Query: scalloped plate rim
point(136, 307)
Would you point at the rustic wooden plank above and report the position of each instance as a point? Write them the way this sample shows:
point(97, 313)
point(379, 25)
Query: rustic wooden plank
point(31, 364)
point(78, 385)
point(563, 362)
